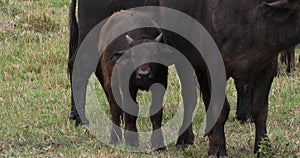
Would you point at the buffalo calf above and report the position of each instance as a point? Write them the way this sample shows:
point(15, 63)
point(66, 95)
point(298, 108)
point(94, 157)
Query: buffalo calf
point(143, 76)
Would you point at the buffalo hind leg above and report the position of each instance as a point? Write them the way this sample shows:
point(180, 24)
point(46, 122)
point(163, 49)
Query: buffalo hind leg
point(290, 59)
point(78, 112)
point(74, 114)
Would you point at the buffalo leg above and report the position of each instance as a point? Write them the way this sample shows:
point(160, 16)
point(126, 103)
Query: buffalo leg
point(217, 141)
point(72, 53)
point(260, 103)
point(244, 97)
point(116, 114)
point(189, 96)
point(74, 114)
point(157, 139)
point(293, 61)
point(131, 133)
point(283, 57)
point(290, 59)
point(78, 112)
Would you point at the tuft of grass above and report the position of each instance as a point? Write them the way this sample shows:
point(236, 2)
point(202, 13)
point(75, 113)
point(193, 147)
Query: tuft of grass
point(40, 23)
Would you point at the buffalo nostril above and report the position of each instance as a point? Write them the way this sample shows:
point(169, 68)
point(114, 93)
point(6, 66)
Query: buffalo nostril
point(143, 74)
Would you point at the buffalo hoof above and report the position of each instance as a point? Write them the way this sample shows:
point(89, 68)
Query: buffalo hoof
point(78, 120)
point(132, 144)
point(185, 140)
point(183, 146)
point(114, 143)
point(217, 151)
point(115, 137)
point(267, 146)
point(243, 118)
point(157, 142)
point(132, 139)
point(159, 149)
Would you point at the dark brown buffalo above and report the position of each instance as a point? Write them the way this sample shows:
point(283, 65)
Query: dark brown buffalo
point(142, 78)
point(288, 58)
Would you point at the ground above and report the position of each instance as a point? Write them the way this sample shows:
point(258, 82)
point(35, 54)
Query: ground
point(35, 96)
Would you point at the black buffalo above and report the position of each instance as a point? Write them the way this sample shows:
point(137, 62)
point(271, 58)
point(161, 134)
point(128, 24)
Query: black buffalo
point(90, 13)
point(248, 33)
point(145, 75)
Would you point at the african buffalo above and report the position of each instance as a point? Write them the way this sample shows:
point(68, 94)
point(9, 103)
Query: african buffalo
point(142, 78)
point(248, 33)
point(90, 13)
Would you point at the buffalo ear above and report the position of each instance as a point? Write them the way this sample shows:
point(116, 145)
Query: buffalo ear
point(279, 10)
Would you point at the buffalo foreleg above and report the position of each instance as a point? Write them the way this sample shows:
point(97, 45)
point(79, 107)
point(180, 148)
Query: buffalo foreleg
point(156, 113)
point(260, 102)
point(244, 98)
point(131, 110)
point(116, 114)
point(189, 96)
point(217, 140)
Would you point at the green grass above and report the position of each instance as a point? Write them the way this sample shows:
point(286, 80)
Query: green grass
point(35, 96)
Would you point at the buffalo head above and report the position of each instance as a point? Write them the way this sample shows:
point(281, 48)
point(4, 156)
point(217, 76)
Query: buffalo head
point(147, 53)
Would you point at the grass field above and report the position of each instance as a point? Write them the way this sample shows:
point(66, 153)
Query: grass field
point(35, 96)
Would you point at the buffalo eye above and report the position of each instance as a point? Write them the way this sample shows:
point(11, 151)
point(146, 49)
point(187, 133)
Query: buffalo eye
point(117, 55)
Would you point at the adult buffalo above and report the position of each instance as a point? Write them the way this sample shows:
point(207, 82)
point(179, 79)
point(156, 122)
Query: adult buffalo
point(90, 13)
point(248, 33)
